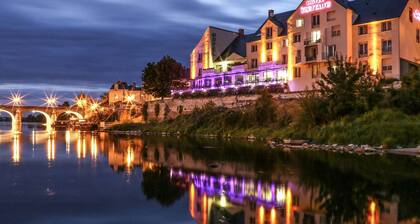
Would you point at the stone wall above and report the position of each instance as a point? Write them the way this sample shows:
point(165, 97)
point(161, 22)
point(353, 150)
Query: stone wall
point(188, 105)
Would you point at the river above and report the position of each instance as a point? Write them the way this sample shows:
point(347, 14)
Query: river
point(83, 177)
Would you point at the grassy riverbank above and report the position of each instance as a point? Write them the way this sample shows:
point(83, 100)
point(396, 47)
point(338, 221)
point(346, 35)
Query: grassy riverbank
point(353, 106)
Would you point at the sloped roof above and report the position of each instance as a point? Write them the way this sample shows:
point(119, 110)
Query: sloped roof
point(238, 46)
point(374, 10)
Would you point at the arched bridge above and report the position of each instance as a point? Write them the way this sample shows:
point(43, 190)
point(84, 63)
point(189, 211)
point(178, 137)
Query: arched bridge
point(50, 113)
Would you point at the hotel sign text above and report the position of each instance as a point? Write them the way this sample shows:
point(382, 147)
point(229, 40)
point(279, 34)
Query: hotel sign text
point(315, 6)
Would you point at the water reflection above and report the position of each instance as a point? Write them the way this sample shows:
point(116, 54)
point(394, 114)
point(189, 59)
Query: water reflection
point(233, 183)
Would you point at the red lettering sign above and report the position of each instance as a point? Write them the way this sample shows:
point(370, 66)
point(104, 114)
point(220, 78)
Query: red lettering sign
point(315, 6)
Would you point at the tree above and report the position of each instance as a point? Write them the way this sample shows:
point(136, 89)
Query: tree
point(159, 78)
point(407, 98)
point(265, 109)
point(349, 89)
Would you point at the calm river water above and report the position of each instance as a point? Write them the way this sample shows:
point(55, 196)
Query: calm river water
point(78, 177)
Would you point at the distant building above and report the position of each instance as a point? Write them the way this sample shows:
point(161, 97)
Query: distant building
point(293, 48)
point(121, 92)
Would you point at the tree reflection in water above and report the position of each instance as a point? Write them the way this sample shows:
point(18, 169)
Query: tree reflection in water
point(324, 187)
point(157, 185)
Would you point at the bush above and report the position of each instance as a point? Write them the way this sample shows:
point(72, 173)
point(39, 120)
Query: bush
point(408, 97)
point(385, 127)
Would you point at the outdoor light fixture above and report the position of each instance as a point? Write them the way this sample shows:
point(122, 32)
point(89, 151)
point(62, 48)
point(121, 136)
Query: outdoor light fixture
point(16, 99)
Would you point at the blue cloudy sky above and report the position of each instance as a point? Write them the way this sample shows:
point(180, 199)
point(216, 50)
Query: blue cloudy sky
point(84, 45)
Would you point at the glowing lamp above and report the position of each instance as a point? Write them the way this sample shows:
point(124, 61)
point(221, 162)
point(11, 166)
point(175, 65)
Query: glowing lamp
point(416, 14)
point(311, 6)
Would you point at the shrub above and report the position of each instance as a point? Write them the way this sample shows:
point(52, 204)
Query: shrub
point(265, 110)
point(408, 97)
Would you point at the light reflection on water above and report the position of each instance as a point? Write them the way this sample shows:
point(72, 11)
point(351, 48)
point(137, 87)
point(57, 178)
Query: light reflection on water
point(67, 176)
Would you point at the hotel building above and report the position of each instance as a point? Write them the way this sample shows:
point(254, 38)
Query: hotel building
point(292, 49)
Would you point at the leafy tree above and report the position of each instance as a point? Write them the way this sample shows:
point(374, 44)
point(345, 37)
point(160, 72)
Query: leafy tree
point(407, 98)
point(157, 185)
point(159, 78)
point(265, 109)
point(349, 89)
point(65, 104)
point(144, 111)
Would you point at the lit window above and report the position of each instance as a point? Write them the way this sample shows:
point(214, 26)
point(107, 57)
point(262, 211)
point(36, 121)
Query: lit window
point(331, 51)
point(315, 36)
point(285, 43)
point(300, 23)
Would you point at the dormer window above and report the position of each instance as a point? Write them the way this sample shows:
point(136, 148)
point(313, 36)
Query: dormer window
point(269, 32)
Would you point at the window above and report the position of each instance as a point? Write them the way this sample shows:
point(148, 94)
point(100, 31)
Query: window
point(363, 50)
point(315, 71)
point(285, 43)
point(300, 22)
point(315, 20)
point(315, 36)
point(386, 46)
point(298, 56)
point(331, 51)
point(418, 36)
point(296, 38)
point(363, 30)
point(254, 48)
point(269, 58)
point(269, 32)
point(200, 58)
point(297, 72)
point(386, 26)
point(331, 16)
point(284, 59)
point(386, 68)
point(410, 15)
point(254, 63)
point(335, 31)
point(269, 46)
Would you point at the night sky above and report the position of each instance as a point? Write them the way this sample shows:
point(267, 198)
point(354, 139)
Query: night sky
point(68, 46)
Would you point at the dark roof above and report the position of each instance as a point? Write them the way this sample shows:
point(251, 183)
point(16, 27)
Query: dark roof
point(375, 10)
point(280, 20)
point(238, 46)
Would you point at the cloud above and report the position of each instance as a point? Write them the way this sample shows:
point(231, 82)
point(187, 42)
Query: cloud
point(96, 42)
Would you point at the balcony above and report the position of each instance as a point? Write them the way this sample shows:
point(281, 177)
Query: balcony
point(311, 42)
point(311, 58)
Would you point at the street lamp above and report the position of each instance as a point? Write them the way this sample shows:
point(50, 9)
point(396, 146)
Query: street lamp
point(16, 99)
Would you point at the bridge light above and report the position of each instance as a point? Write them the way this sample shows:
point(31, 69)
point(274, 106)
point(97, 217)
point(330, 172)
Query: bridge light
point(94, 106)
point(50, 100)
point(16, 99)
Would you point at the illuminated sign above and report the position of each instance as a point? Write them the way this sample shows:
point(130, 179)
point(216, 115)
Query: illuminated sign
point(315, 6)
point(416, 14)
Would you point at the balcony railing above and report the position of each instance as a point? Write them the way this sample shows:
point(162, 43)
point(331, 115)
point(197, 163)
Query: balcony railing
point(311, 58)
point(298, 59)
point(310, 41)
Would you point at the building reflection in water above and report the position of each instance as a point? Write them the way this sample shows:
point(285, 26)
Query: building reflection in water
point(16, 149)
point(68, 141)
point(93, 147)
point(51, 148)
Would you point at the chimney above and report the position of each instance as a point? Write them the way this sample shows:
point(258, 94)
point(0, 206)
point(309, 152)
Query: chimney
point(270, 13)
point(241, 32)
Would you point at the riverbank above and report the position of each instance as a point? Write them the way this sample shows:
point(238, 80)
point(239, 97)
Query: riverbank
point(382, 129)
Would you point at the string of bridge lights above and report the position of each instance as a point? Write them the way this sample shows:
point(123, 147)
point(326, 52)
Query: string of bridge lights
point(51, 100)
